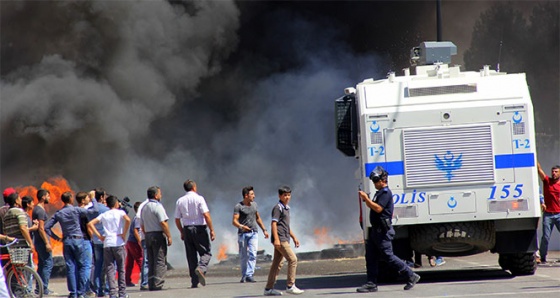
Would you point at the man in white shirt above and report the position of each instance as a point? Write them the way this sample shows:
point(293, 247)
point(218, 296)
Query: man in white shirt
point(192, 217)
point(115, 223)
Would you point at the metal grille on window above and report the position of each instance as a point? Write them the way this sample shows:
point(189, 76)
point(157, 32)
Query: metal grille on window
point(519, 128)
point(414, 92)
point(448, 156)
point(376, 137)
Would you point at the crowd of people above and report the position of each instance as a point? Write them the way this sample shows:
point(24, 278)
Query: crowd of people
point(93, 236)
point(100, 241)
point(96, 246)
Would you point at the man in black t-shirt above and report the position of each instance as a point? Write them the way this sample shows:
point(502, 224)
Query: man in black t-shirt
point(379, 243)
point(42, 240)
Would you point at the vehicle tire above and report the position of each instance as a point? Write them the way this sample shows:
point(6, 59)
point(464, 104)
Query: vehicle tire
point(20, 283)
point(518, 263)
point(453, 239)
point(504, 261)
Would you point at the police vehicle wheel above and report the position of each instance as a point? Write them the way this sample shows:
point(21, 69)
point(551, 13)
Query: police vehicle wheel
point(518, 263)
point(504, 261)
point(453, 239)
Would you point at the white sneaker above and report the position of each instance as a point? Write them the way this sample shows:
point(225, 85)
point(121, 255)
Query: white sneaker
point(294, 290)
point(272, 292)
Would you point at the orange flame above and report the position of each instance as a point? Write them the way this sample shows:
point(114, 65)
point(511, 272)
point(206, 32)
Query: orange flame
point(56, 186)
point(222, 252)
point(27, 191)
point(322, 236)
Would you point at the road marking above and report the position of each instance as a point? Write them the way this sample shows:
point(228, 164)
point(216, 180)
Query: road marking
point(474, 263)
point(548, 276)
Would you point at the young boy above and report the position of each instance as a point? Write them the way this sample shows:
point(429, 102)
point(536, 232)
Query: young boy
point(113, 244)
point(281, 234)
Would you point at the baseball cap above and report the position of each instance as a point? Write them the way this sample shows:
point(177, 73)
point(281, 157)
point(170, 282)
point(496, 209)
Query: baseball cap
point(8, 191)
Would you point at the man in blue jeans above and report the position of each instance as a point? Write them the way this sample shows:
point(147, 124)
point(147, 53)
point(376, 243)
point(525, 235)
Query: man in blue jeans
point(245, 219)
point(84, 201)
point(97, 280)
point(73, 242)
point(42, 241)
point(550, 207)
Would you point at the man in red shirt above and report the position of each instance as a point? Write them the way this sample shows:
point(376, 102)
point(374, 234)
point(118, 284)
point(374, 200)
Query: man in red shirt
point(550, 206)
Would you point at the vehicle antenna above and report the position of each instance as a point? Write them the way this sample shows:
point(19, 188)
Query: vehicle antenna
point(499, 56)
point(438, 12)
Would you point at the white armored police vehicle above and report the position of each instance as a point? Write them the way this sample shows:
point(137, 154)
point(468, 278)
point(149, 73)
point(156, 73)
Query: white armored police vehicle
point(460, 151)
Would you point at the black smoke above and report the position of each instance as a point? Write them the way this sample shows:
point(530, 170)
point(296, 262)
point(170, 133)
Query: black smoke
point(127, 94)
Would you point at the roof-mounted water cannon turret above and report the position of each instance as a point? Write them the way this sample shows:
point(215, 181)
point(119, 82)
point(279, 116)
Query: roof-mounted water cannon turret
point(432, 52)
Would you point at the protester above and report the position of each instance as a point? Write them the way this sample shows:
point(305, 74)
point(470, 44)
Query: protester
point(379, 246)
point(115, 224)
point(550, 207)
point(16, 225)
point(15, 222)
point(245, 219)
point(153, 221)
point(84, 201)
point(281, 234)
point(8, 191)
point(97, 278)
point(42, 241)
point(144, 268)
point(27, 206)
point(73, 243)
point(192, 219)
point(133, 247)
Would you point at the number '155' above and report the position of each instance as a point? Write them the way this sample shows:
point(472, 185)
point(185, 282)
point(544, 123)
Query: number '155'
point(506, 191)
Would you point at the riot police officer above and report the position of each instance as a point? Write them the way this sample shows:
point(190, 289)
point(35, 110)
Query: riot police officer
point(379, 243)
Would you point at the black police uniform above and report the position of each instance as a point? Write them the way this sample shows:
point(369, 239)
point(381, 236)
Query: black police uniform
point(379, 243)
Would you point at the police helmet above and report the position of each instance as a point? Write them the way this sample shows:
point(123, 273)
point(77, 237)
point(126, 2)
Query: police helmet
point(378, 174)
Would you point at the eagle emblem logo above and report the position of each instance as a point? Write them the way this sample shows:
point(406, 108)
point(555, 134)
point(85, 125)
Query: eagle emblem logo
point(449, 163)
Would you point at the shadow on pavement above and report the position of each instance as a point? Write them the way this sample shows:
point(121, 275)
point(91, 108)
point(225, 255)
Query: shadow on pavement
point(356, 280)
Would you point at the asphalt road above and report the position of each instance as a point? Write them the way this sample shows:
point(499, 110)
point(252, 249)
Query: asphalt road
point(473, 276)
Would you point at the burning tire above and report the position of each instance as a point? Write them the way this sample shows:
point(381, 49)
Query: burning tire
point(453, 239)
point(518, 263)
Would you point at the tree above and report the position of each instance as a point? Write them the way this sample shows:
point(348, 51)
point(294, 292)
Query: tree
point(543, 69)
point(530, 48)
point(498, 37)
